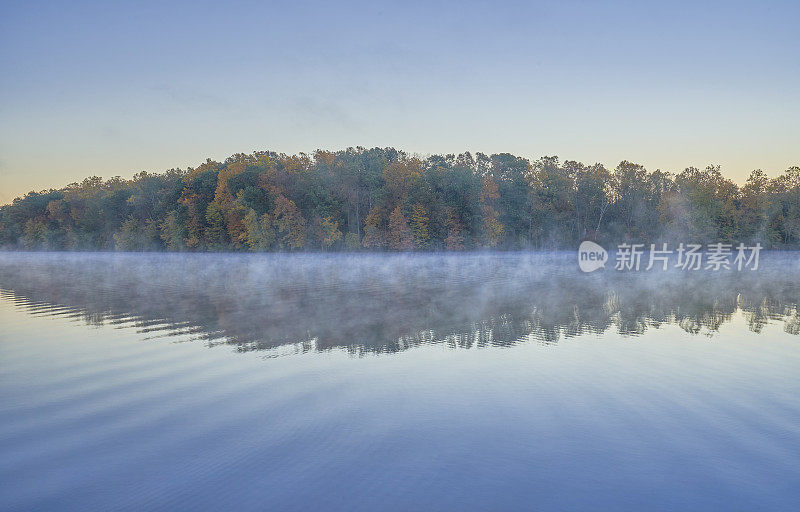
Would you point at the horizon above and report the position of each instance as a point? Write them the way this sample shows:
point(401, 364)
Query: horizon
point(112, 90)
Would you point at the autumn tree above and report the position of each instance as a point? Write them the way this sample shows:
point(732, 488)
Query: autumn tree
point(375, 236)
point(455, 232)
point(382, 198)
point(330, 232)
point(400, 236)
point(492, 228)
point(290, 225)
point(420, 226)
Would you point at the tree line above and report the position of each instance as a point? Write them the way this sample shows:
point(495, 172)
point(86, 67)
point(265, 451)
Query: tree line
point(385, 199)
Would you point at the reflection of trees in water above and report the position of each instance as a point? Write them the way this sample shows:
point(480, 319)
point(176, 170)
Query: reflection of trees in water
point(389, 303)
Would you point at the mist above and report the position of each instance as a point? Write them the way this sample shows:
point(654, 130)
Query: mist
point(390, 302)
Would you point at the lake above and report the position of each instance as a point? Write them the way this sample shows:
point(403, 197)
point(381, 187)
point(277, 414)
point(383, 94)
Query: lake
point(494, 381)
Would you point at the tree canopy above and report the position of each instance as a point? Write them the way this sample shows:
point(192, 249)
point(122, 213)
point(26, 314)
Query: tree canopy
point(387, 200)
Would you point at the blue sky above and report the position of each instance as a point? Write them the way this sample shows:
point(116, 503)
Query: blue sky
point(114, 88)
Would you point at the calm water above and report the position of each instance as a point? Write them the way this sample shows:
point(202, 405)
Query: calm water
point(470, 382)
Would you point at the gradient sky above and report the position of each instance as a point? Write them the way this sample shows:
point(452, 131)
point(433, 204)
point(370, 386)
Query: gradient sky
point(111, 89)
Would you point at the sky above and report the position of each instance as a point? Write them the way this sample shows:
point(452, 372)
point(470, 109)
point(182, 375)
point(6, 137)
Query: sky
point(107, 89)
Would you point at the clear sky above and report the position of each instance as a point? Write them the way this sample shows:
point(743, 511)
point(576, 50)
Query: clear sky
point(112, 88)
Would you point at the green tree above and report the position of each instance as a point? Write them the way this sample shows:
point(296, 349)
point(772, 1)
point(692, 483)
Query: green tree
point(260, 233)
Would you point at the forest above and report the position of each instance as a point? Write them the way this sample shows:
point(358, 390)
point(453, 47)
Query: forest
point(383, 199)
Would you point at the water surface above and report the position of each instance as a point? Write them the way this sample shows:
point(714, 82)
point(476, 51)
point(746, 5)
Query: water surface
point(426, 382)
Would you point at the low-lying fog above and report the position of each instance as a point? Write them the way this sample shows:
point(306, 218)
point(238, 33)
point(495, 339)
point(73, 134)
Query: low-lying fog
point(389, 302)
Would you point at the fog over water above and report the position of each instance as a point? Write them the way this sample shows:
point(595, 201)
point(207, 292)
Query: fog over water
point(486, 381)
point(386, 303)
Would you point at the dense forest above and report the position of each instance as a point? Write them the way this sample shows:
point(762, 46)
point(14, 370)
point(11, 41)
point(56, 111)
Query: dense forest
point(385, 199)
